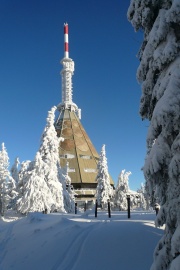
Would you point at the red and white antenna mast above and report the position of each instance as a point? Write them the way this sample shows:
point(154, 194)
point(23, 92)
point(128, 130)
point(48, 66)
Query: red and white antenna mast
point(66, 73)
point(66, 41)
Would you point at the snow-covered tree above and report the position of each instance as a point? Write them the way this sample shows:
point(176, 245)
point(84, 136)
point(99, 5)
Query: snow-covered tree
point(143, 198)
point(15, 175)
point(14, 170)
point(45, 169)
point(23, 176)
point(37, 196)
point(104, 191)
point(49, 151)
point(121, 191)
point(68, 190)
point(7, 183)
point(159, 75)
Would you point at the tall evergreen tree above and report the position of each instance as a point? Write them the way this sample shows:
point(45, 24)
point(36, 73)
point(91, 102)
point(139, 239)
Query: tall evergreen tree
point(7, 183)
point(159, 74)
point(104, 191)
point(15, 175)
point(68, 190)
point(15, 171)
point(36, 196)
point(49, 151)
point(121, 191)
point(23, 176)
point(143, 198)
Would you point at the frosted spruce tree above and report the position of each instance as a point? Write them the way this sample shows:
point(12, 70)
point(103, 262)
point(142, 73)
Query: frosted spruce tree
point(121, 191)
point(23, 176)
point(104, 191)
point(143, 197)
point(37, 196)
point(68, 190)
point(159, 75)
point(14, 170)
point(49, 151)
point(15, 175)
point(7, 183)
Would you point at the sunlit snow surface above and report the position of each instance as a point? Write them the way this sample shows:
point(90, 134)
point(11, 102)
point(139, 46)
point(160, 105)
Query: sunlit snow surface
point(79, 242)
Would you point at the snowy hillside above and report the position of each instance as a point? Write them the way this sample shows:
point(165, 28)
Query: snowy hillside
point(79, 242)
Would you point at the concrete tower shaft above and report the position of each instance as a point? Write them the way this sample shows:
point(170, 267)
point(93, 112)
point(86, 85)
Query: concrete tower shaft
point(66, 73)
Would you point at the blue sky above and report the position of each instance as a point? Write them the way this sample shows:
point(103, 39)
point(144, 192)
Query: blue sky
point(103, 45)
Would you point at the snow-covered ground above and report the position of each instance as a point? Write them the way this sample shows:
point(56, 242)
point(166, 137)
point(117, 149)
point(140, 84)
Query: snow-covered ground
point(78, 242)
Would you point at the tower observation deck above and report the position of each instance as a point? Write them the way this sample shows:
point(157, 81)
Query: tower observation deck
point(77, 148)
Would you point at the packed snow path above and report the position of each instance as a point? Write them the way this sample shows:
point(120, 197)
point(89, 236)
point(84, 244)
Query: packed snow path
point(79, 242)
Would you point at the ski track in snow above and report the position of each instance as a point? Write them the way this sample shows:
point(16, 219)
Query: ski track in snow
point(79, 242)
point(7, 237)
point(73, 251)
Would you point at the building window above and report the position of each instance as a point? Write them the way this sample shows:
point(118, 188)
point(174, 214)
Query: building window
point(68, 156)
point(85, 157)
point(90, 170)
point(71, 170)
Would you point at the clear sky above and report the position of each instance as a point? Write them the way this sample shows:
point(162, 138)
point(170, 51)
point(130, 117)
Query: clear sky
point(103, 45)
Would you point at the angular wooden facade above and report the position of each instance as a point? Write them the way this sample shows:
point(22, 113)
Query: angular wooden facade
point(79, 151)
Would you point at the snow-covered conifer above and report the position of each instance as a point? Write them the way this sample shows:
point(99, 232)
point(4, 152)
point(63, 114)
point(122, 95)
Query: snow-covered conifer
point(49, 151)
point(7, 183)
point(159, 75)
point(12, 192)
point(15, 175)
point(23, 176)
point(14, 170)
point(142, 199)
point(104, 191)
point(121, 191)
point(68, 190)
point(37, 196)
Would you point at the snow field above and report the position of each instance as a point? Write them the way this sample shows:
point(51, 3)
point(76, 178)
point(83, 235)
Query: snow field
point(79, 242)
